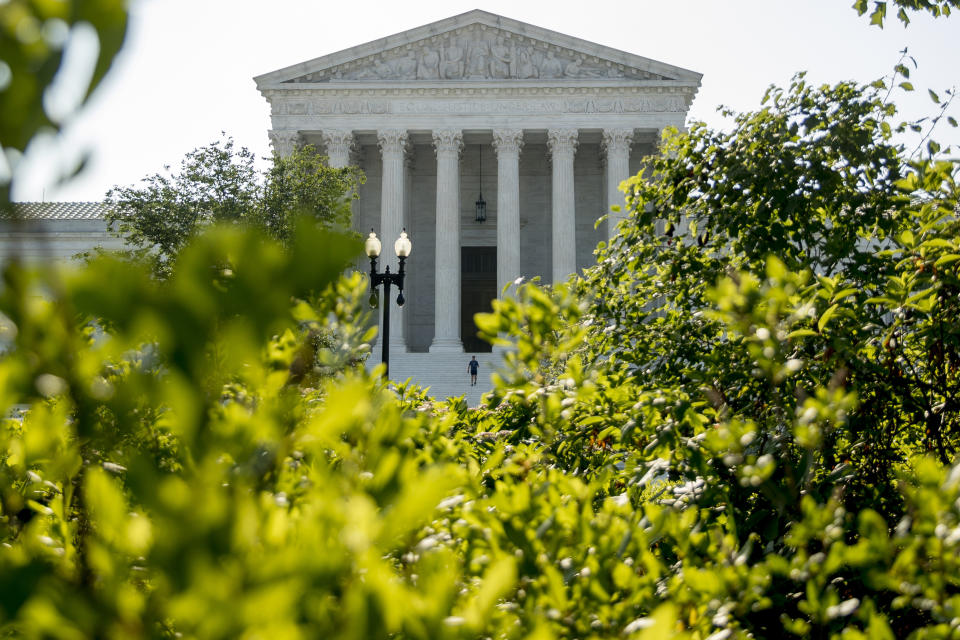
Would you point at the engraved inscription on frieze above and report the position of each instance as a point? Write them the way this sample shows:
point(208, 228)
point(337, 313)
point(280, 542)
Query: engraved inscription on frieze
point(473, 53)
point(642, 104)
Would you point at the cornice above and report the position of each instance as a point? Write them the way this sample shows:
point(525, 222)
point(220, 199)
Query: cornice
point(475, 87)
point(471, 91)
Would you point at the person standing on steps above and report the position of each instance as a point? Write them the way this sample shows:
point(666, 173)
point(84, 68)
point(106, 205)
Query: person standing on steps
point(473, 366)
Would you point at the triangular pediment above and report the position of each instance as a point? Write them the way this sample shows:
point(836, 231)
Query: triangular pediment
point(476, 46)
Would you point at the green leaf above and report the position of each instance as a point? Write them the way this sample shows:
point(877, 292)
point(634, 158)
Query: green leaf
point(940, 243)
point(876, 18)
point(947, 259)
point(487, 323)
point(825, 318)
point(933, 96)
point(801, 333)
point(844, 293)
point(906, 86)
point(497, 581)
point(919, 296)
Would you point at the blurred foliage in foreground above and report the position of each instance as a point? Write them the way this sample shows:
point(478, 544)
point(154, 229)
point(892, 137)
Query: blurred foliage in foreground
point(37, 39)
point(695, 439)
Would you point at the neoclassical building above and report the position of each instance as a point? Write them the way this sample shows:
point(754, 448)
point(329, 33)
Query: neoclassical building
point(540, 126)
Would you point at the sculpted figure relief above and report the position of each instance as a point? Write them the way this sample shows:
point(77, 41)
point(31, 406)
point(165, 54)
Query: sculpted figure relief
point(383, 69)
point(407, 66)
point(475, 55)
point(500, 60)
point(551, 67)
point(478, 60)
point(576, 69)
point(525, 66)
point(452, 67)
point(428, 67)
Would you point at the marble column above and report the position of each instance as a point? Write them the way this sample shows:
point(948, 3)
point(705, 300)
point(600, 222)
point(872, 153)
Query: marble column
point(339, 143)
point(508, 143)
point(284, 141)
point(392, 149)
point(563, 145)
point(446, 336)
point(616, 144)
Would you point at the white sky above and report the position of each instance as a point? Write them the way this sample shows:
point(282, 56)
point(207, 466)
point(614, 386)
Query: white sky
point(186, 72)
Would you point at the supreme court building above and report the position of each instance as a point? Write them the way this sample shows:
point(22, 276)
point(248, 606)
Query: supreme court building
point(544, 125)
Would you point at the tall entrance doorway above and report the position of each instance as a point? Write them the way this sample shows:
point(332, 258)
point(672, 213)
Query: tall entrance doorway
point(478, 288)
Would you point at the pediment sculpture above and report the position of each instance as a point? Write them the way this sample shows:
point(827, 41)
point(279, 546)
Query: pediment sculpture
point(475, 54)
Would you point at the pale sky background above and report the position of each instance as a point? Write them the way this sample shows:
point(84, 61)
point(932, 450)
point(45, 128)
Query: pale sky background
point(186, 73)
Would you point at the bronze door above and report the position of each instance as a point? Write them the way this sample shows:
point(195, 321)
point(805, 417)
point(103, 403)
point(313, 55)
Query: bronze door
point(478, 288)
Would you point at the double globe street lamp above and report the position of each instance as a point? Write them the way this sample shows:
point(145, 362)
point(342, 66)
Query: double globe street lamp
point(402, 248)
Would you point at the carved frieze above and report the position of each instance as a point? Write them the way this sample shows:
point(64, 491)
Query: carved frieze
point(476, 53)
point(321, 106)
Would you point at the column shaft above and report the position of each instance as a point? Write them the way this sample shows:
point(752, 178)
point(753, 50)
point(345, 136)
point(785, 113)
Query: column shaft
point(392, 148)
point(563, 145)
point(508, 143)
point(446, 336)
point(616, 143)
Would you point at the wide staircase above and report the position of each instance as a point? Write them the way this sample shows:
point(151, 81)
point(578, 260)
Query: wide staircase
point(445, 373)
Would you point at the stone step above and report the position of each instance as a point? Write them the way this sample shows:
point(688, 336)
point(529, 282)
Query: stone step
point(445, 373)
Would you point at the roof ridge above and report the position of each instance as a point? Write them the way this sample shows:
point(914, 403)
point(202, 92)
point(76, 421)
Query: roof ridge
point(55, 210)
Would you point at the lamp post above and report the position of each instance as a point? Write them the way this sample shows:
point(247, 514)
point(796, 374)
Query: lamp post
point(402, 248)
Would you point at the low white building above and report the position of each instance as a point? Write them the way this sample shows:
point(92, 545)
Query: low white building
point(54, 231)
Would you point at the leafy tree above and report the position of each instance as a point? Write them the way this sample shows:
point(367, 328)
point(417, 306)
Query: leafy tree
point(219, 183)
point(904, 8)
point(772, 342)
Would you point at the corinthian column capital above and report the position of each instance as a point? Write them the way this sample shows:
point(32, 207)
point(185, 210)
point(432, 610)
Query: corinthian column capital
point(339, 142)
point(562, 140)
point(508, 141)
point(284, 141)
point(392, 140)
point(448, 140)
point(617, 140)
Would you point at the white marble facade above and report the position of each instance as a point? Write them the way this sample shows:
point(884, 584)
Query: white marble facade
point(554, 122)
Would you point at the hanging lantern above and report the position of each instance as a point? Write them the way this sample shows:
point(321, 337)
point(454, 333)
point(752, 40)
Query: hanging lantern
point(481, 209)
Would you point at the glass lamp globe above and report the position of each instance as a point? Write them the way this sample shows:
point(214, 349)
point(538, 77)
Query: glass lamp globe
point(372, 245)
point(403, 246)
